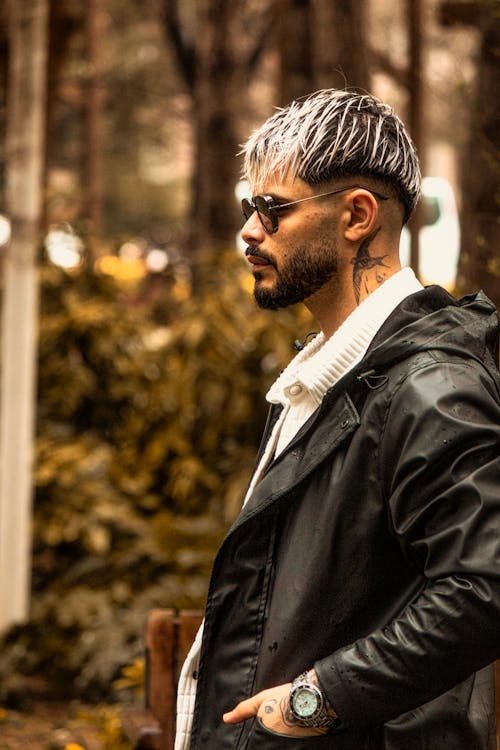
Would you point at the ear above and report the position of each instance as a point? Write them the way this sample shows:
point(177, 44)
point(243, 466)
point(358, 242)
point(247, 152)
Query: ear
point(363, 214)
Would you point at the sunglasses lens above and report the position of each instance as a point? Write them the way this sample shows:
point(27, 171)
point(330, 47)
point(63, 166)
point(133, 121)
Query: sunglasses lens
point(247, 207)
point(266, 214)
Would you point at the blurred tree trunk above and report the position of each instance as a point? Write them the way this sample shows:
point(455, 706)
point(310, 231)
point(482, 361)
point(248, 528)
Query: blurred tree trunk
point(64, 22)
point(92, 167)
point(3, 89)
point(293, 23)
point(216, 93)
point(416, 75)
point(340, 53)
point(216, 67)
point(28, 47)
point(479, 264)
point(321, 44)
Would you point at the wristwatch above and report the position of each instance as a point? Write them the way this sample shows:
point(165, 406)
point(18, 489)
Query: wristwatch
point(308, 704)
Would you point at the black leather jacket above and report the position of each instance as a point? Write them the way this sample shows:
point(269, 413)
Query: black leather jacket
point(371, 549)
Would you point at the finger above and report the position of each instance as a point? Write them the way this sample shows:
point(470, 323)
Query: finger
point(243, 710)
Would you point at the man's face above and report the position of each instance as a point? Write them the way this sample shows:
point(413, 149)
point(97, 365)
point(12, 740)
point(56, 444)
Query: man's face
point(295, 262)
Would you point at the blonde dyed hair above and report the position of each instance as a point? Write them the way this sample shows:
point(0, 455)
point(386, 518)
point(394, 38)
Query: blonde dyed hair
point(332, 134)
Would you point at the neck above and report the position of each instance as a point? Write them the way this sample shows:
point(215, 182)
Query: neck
point(360, 277)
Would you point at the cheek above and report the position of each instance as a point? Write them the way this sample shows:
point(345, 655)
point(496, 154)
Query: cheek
point(282, 253)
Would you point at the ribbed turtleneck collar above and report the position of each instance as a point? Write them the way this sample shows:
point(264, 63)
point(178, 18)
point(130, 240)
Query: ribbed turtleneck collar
point(324, 361)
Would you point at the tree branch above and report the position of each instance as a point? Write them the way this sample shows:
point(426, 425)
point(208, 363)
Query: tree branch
point(184, 52)
point(261, 39)
point(383, 63)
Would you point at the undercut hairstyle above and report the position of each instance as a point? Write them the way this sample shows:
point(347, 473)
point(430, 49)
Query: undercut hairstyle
point(333, 134)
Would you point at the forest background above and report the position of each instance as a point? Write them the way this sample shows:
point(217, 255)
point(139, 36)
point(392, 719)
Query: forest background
point(152, 359)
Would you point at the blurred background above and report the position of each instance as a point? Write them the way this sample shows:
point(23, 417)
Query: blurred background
point(133, 358)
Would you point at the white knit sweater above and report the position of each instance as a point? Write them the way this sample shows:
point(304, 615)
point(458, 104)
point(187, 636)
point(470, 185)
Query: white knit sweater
point(300, 389)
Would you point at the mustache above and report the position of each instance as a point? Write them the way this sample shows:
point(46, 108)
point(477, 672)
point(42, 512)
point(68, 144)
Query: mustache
point(252, 251)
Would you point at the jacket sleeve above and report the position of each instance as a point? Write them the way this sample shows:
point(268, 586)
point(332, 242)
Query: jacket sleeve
point(439, 458)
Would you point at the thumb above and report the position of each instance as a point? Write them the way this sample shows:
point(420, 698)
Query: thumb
point(243, 710)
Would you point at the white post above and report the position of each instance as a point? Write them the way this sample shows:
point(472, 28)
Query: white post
point(28, 41)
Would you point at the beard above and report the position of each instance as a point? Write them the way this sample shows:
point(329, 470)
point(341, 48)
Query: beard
point(303, 274)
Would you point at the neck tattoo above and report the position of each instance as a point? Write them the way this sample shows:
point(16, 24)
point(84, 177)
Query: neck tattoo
point(366, 272)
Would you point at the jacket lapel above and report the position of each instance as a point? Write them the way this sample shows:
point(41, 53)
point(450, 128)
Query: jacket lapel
point(334, 421)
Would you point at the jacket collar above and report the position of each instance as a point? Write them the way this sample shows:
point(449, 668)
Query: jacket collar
point(323, 362)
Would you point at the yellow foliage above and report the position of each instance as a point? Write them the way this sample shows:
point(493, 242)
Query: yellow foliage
point(132, 677)
point(149, 418)
point(107, 719)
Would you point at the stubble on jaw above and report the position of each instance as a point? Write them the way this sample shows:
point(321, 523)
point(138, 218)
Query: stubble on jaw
point(304, 272)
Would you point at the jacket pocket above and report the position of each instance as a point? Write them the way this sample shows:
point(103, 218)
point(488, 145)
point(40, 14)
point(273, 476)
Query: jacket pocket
point(261, 738)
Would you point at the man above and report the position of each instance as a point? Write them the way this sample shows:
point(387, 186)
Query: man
point(355, 602)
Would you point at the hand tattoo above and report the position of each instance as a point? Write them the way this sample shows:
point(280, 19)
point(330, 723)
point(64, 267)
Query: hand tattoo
point(268, 708)
point(287, 717)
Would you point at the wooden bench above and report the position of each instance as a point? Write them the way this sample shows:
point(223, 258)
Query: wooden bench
point(497, 699)
point(169, 636)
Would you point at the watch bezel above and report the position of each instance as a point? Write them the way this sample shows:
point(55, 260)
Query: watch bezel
point(305, 684)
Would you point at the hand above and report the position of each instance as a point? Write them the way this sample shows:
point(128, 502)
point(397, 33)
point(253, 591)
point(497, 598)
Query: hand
point(272, 708)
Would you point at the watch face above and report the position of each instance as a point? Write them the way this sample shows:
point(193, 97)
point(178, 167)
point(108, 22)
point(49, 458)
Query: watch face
point(305, 702)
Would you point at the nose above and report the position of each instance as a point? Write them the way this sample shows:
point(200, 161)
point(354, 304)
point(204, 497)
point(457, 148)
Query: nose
point(252, 231)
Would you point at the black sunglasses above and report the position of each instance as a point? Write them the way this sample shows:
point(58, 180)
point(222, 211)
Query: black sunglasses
point(267, 208)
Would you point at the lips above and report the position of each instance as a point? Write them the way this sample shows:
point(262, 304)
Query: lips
point(257, 259)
